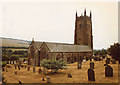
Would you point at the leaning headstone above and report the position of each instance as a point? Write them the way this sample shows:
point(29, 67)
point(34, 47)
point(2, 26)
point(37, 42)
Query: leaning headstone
point(91, 75)
point(15, 72)
point(39, 71)
point(79, 65)
point(44, 71)
point(28, 68)
point(108, 71)
point(33, 69)
point(48, 79)
point(69, 76)
point(92, 65)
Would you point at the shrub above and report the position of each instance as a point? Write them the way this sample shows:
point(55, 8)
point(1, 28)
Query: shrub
point(54, 65)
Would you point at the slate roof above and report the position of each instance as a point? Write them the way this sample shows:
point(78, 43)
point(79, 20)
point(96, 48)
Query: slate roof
point(64, 47)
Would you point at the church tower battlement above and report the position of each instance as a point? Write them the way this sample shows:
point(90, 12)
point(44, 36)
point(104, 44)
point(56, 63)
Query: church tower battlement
point(83, 30)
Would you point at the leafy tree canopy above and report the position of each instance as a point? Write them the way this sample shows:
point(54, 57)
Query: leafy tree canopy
point(114, 51)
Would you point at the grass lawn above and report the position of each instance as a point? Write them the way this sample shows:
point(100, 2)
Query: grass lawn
point(78, 75)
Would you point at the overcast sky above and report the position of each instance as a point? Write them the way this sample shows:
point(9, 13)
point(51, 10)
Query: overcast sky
point(55, 21)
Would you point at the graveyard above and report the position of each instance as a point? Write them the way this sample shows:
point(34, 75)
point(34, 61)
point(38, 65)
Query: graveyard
point(32, 75)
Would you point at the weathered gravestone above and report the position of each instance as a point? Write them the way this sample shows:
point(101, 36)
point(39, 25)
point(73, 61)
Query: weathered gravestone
point(39, 71)
point(43, 79)
point(44, 71)
point(19, 67)
point(92, 65)
point(3, 69)
point(79, 65)
point(108, 71)
point(28, 68)
point(48, 79)
point(25, 66)
point(69, 76)
point(15, 66)
point(91, 75)
point(15, 72)
point(33, 69)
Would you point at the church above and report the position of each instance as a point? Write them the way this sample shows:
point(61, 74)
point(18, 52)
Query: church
point(82, 47)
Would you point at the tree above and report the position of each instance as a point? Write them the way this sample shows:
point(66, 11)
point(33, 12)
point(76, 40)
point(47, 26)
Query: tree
point(114, 51)
point(54, 65)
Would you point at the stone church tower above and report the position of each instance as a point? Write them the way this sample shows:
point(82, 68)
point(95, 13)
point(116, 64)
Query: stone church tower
point(83, 30)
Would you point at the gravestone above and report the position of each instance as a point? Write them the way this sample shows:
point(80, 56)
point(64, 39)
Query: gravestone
point(48, 79)
point(92, 65)
point(108, 71)
point(20, 83)
point(15, 72)
point(79, 65)
point(3, 69)
point(43, 79)
point(69, 76)
point(33, 69)
point(15, 66)
point(44, 71)
point(25, 66)
point(19, 67)
point(39, 71)
point(91, 75)
point(28, 68)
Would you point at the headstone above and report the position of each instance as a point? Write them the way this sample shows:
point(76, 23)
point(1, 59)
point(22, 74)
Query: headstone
point(15, 72)
point(108, 71)
point(25, 66)
point(33, 69)
point(48, 79)
point(69, 76)
point(19, 67)
point(39, 71)
point(90, 59)
point(20, 82)
point(28, 68)
point(92, 65)
point(79, 65)
point(3, 69)
point(91, 75)
point(15, 66)
point(44, 71)
point(43, 79)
